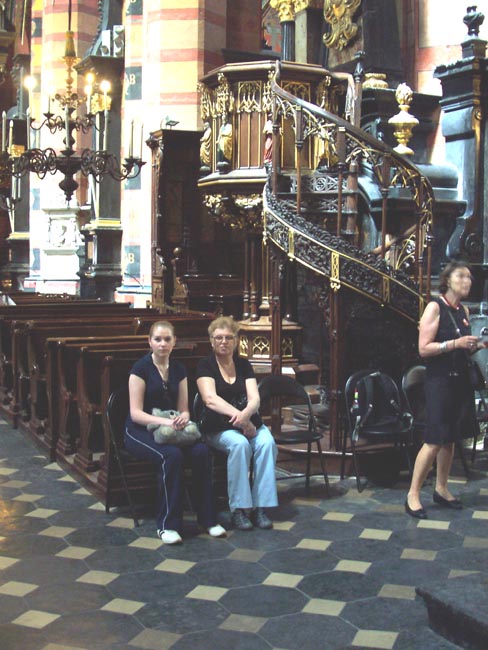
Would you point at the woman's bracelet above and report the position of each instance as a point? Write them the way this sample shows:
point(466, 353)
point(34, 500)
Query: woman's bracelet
point(443, 346)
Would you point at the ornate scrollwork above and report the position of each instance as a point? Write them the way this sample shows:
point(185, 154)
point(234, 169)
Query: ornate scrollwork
point(285, 9)
point(207, 109)
point(339, 14)
point(236, 211)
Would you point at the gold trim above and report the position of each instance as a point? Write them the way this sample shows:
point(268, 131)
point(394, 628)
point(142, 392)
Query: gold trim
point(335, 273)
point(285, 9)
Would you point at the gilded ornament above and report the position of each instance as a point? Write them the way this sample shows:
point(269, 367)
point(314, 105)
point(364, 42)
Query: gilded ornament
point(403, 122)
point(375, 80)
point(339, 15)
point(285, 9)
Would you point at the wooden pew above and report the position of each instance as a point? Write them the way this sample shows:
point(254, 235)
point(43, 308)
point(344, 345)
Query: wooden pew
point(13, 317)
point(29, 401)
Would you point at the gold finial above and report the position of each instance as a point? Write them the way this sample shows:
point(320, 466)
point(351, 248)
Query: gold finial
point(403, 122)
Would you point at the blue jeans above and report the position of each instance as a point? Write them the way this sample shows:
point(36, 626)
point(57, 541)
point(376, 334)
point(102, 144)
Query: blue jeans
point(239, 449)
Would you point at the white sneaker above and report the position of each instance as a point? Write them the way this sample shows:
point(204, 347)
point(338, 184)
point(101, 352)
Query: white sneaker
point(217, 531)
point(170, 536)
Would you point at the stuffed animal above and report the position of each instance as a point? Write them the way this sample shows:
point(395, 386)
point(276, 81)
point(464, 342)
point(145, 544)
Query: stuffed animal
point(166, 435)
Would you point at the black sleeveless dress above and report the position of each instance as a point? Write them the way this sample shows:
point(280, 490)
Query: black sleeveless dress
point(450, 406)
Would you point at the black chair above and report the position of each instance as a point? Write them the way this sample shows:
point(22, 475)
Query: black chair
point(117, 410)
point(375, 418)
point(413, 391)
point(273, 391)
point(482, 417)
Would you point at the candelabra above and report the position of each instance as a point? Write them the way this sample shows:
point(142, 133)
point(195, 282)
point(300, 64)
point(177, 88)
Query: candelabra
point(16, 160)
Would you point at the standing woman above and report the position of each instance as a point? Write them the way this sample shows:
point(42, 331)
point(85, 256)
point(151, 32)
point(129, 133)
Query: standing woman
point(157, 382)
point(445, 341)
point(229, 391)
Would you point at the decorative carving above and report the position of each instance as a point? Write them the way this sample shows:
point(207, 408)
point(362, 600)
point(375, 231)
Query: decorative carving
point(298, 88)
point(249, 97)
point(206, 104)
point(473, 20)
point(224, 98)
point(285, 9)
point(236, 211)
point(339, 15)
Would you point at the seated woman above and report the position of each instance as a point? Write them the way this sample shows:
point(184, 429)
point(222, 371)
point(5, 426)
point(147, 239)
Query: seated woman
point(229, 391)
point(157, 382)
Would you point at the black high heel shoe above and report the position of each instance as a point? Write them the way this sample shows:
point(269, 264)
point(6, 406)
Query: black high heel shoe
point(455, 504)
point(418, 514)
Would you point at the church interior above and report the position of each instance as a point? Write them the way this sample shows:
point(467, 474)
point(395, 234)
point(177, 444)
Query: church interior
point(307, 167)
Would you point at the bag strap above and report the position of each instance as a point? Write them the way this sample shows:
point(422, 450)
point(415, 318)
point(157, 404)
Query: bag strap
point(458, 332)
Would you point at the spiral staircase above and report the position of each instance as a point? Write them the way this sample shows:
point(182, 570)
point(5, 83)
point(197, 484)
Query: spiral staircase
point(313, 207)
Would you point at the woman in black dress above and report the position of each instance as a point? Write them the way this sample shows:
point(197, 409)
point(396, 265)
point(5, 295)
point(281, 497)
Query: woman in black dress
point(445, 341)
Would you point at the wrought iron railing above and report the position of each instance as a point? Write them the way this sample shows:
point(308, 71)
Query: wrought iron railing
point(401, 280)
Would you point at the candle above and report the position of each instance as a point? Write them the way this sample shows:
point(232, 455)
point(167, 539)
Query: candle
point(66, 120)
point(49, 102)
point(131, 139)
point(97, 131)
point(142, 140)
point(4, 131)
point(88, 99)
point(105, 130)
point(11, 135)
point(28, 125)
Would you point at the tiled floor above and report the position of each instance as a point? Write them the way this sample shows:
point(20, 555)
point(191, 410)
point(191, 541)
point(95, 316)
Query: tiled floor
point(333, 573)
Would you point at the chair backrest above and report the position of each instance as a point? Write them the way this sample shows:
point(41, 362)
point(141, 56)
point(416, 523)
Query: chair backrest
point(372, 396)
point(117, 411)
point(413, 389)
point(281, 386)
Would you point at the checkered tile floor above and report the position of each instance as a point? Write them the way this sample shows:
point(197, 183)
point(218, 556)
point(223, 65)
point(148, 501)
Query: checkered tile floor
point(333, 573)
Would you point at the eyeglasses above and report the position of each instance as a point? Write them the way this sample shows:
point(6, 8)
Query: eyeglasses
point(219, 338)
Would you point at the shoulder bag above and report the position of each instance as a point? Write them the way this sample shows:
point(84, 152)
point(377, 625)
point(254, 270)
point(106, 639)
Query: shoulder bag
point(475, 376)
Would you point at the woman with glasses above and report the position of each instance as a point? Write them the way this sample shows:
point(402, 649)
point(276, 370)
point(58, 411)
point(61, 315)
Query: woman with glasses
point(445, 341)
point(232, 424)
point(157, 381)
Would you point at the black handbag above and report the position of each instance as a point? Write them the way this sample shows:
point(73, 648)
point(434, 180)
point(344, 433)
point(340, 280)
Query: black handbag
point(212, 422)
point(475, 376)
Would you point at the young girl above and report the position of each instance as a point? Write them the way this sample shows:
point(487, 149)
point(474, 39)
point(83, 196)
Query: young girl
point(157, 382)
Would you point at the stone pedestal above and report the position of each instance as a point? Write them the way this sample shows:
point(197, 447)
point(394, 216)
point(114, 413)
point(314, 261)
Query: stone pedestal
point(101, 273)
point(59, 262)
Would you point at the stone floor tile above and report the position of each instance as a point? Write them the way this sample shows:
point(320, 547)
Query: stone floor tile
point(338, 516)
point(35, 618)
point(282, 580)
point(352, 566)
point(374, 533)
point(418, 554)
point(397, 591)
point(207, 593)
point(19, 589)
point(240, 623)
point(324, 607)
point(98, 577)
point(76, 552)
point(122, 606)
point(174, 566)
point(41, 513)
point(154, 640)
point(375, 639)
point(149, 543)
point(57, 531)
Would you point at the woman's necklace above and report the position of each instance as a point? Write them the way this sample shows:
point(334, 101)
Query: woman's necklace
point(449, 304)
point(162, 369)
